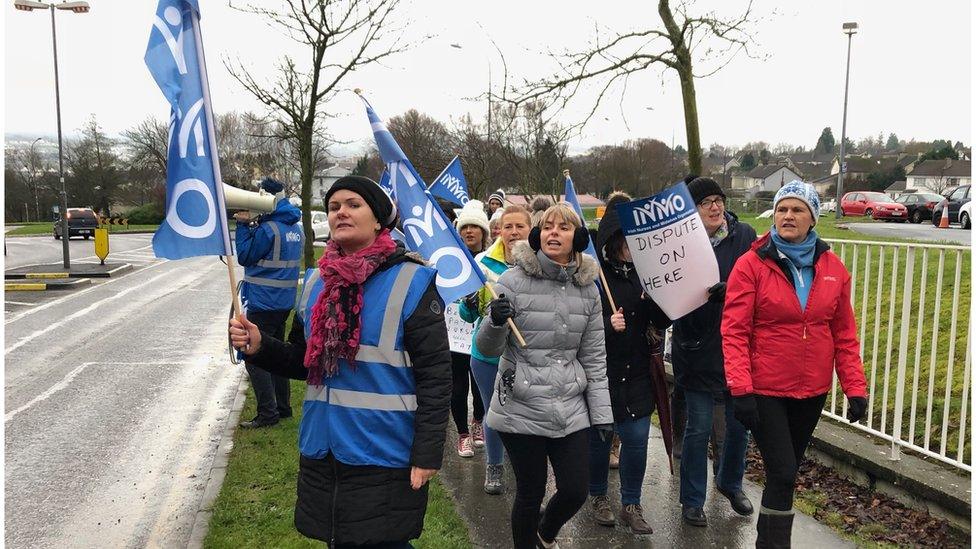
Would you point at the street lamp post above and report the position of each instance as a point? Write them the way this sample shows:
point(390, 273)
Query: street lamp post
point(850, 29)
point(76, 7)
point(34, 178)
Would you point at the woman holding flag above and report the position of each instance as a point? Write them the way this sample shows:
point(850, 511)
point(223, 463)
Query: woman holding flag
point(494, 261)
point(551, 391)
point(370, 338)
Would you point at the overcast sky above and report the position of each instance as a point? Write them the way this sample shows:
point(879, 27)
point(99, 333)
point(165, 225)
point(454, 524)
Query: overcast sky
point(910, 69)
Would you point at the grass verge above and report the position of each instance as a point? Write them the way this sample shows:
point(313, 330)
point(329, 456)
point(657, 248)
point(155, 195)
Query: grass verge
point(255, 507)
point(47, 228)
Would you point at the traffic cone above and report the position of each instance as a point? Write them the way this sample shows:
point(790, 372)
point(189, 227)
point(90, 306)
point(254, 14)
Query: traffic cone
point(944, 220)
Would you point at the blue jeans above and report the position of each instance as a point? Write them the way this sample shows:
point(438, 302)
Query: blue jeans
point(694, 453)
point(633, 459)
point(484, 378)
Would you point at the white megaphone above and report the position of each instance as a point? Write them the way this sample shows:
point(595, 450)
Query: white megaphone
point(239, 199)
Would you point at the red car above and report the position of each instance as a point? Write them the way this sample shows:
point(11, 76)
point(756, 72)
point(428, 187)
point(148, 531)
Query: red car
point(874, 204)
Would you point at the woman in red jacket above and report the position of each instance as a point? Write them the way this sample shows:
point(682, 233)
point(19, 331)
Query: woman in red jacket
point(787, 324)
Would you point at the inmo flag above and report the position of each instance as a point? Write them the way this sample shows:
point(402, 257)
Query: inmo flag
point(573, 201)
point(425, 228)
point(196, 219)
point(451, 184)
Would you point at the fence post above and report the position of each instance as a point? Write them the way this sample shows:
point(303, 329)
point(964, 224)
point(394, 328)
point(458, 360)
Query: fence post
point(906, 313)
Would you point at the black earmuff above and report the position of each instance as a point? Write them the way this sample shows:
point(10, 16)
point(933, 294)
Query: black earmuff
point(535, 239)
point(581, 239)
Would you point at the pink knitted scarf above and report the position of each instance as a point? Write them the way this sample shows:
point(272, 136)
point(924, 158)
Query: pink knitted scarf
point(336, 318)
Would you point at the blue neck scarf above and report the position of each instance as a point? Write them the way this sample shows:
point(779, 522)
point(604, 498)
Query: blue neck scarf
point(800, 259)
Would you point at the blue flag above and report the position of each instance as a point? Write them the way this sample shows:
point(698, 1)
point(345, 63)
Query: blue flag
point(196, 218)
point(451, 184)
point(573, 201)
point(426, 229)
point(385, 182)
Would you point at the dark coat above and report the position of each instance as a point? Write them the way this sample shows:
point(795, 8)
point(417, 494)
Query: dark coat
point(357, 505)
point(696, 350)
point(628, 352)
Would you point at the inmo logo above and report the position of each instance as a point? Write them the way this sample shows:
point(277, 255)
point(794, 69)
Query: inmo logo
point(656, 209)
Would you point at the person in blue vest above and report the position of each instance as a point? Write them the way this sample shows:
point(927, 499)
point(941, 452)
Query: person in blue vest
point(269, 247)
point(370, 338)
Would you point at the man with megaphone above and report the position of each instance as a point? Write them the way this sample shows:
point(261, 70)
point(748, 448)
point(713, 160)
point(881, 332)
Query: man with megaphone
point(269, 247)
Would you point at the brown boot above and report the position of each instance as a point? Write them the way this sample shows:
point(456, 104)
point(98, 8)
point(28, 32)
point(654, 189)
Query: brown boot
point(632, 517)
point(602, 514)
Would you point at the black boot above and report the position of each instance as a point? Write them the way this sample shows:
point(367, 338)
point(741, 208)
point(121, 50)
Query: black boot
point(774, 529)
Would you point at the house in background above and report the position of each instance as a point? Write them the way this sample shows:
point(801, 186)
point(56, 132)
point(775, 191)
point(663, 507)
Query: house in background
point(938, 175)
point(322, 181)
point(763, 178)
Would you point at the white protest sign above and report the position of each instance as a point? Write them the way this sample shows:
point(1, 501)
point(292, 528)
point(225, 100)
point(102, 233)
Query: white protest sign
point(459, 332)
point(671, 250)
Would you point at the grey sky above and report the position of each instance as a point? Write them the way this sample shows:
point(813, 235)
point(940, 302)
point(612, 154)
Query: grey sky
point(911, 69)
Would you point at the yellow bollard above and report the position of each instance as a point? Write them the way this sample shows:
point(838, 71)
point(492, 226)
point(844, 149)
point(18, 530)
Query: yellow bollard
point(101, 244)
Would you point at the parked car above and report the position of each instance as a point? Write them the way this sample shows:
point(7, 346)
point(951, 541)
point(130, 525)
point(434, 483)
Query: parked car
point(955, 199)
point(828, 206)
point(81, 222)
point(320, 225)
point(966, 215)
point(873, 204)
point(919, 205)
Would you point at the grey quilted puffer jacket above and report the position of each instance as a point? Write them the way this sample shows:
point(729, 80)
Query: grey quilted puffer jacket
point(561, 375)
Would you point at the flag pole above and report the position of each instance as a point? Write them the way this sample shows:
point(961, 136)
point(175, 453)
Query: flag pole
point(603, 277)
point(511, 323)
point(215, 162)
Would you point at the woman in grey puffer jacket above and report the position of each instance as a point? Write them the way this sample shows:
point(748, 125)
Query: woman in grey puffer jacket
point(549, 393)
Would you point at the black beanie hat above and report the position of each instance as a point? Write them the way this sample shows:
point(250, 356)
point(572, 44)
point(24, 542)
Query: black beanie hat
point(703, 187)
point(379, 202)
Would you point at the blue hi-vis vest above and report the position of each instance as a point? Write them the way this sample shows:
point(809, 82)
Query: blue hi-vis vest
point(365, 416)
point(270, 284)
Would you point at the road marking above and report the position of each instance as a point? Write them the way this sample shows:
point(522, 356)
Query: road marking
point(24, 286)
point(73, 374)
point(46, 275)
point(74, 295)
point(79, 313)
point(16, 303)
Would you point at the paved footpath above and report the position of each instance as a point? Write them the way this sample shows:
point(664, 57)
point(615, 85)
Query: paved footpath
point(487, 516)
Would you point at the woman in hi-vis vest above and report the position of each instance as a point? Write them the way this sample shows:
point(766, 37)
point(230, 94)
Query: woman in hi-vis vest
point(369, 337)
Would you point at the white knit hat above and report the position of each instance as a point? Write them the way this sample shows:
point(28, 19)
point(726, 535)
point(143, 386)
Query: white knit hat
point(473, 213)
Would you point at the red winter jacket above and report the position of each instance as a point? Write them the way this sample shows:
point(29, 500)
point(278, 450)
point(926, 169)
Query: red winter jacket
point(773, 348)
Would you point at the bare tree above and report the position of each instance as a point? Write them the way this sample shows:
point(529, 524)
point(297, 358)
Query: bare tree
point(684, 42)
point(147, 144)
point(425, 141)
point(342, 36)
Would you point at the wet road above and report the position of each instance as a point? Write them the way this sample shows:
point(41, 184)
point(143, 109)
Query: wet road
point(488, 516)
point(922, 231)
point(39, 250)
point(116, 398)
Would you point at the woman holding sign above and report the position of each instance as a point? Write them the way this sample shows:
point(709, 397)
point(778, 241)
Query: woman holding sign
point(788, 324)
point(370, 339)
point(514, 223)
point(629, 376)
point(552, 391)
point(696, 355)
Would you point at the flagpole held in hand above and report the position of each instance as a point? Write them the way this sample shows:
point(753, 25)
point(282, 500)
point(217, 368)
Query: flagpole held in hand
point(511, 323)
point(570, 196)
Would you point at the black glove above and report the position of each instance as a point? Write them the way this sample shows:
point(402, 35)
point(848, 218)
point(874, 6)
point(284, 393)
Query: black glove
point(746, 411)
point(471, 301)
point(501, 310)
point(856, 408)
point(604, 431)
point(716, 294)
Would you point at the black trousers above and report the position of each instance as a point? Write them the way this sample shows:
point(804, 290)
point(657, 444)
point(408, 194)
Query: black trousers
point(785, 428)
point(570, 461)
point(463, 380)
point(272, 392)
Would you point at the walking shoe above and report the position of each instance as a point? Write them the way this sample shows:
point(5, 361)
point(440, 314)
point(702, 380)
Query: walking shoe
point(464, 448)
point(740, 503)
point(615, 452)
point(602, 514)
point(694, 516)
point(543, 544)
point(477, 434)
point(632, 516)
point(494, 483)
point(258, 423)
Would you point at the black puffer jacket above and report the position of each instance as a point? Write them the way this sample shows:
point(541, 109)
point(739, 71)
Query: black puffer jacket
point(628, 352)
point(696, 350)
point(370, 504)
